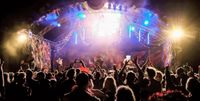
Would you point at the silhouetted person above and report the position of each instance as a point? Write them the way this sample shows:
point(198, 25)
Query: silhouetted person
point(133, 84)
point(144, 89)
point(109, 88)
point(96, 92)
point(175, 96)
point(181, 79)
point(154, 86)
point(124, 93)
point(32, 84)
point(43, 88)
point(98, 81)
point(193, 86)
point(18, 91)
point(67, 84)
point(169, 95)
point(80, 92)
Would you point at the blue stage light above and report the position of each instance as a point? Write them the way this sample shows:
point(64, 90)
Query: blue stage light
point(81, 15)
point(58, 25)
point(131, 28)
point(148, 38)
point(146, 22)
point(75, 38)
point(51, 16)
point(55, 23)
point(139, 35)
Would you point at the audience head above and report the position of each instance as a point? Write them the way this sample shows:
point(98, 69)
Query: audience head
point(49, 76)
point(151, 72)
point(130, 77)
point(59, 76)
point(191, 74)
point(123, 76)
point(70, 73)
point(159, 76)
point(29, 74)
point(179, 71)
point(124, 93)
point(97, 75)
point(82, 80)
point(193, 85)
point(109, 83)
point(77, 71)
point(21, 78)
point(41, 76)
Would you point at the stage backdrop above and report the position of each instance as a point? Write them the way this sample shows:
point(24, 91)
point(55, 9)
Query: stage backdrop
point(41, 52)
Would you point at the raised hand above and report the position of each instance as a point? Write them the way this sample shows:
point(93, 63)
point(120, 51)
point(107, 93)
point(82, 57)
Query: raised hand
point(135, 60)
point(83, 64)
point(21, 69)
point(1, 63)
point(114, 67)
point(126, 62)
point(1, 74)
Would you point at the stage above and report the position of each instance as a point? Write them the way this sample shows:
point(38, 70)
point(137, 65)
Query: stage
point(110, 32)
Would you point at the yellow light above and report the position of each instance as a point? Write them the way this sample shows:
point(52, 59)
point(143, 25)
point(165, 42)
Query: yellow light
point(177, 33)
point(10, 48)
point(22, 37)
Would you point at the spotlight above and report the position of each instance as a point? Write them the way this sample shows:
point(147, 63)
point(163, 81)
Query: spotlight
point(177, 33)
point(81, 15)
point(55, 23)
point(52, 16)
point(131, 28)
point(146, 22)
point(58, 25)
point(22, 37)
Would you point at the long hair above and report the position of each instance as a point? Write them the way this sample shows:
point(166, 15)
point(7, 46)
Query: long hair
point(109, 84)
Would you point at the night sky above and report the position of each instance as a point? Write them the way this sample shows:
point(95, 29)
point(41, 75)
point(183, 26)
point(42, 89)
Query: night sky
point(18, 13)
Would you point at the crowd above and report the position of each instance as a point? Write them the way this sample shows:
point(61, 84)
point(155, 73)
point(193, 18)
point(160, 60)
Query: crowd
point(143, 83)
